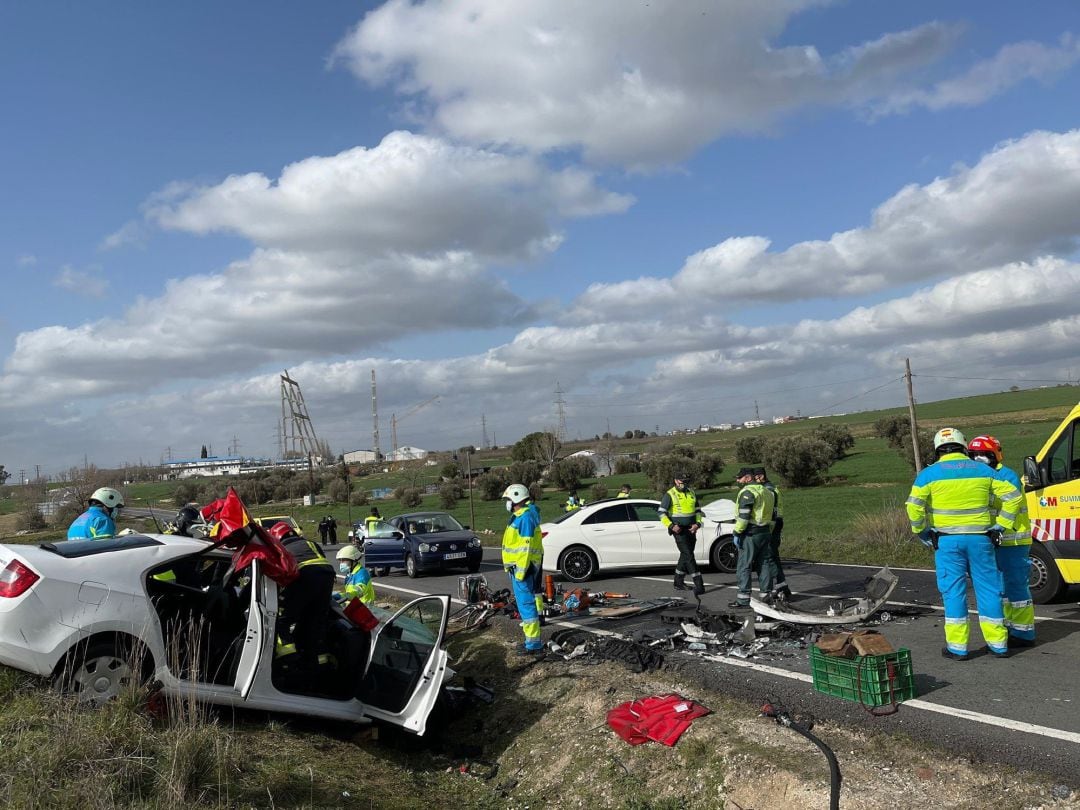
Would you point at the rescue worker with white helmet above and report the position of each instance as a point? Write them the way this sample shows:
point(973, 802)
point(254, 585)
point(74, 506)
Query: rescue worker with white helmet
point(99, 521)
point(523, 559)
point(1012, 554)
point(357, 578)
point(950, 511)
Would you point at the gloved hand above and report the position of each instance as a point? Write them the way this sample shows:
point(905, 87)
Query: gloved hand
point(737, 539)
point(995, 534)
point(926, 537)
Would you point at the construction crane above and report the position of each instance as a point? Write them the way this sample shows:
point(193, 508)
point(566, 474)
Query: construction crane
point(394, 421)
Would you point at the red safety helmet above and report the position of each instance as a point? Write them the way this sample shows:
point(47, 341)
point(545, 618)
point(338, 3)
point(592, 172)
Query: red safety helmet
point(985, 446)
point(281, 530)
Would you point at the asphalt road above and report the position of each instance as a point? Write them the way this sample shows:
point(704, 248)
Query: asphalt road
point(1019, 712)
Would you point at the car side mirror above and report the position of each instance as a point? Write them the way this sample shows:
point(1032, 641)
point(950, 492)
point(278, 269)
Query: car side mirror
point(399, 535)
point(1033, 476)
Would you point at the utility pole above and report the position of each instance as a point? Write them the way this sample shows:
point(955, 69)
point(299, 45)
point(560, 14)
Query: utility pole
point(375, 419)
point(560, 412)
point(911, 415)
point(468, 476)
point(483, 430)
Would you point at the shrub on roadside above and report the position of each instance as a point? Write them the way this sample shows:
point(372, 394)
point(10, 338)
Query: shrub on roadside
point(491, 485)
point(338, 491)
point(598, 491)
point(838, 437)
point(748, 449)
point(410, 497)
point(359, 497)
point(801, 461)
point(570, 472)
point(626, 466)
point(450, 493)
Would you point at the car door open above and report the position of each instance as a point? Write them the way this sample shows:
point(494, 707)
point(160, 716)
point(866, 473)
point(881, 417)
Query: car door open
point(405, 670)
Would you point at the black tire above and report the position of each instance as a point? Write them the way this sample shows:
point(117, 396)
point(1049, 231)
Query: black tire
point(410, 566)
point(578, 564)
point(474, 567)
point(1044, 578)
point(723, 555)
point(383, 571)
point(97, 673)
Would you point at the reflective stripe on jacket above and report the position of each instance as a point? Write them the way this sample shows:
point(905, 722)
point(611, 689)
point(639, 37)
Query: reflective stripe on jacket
point(778, 509)
point(755, 504)
point(1020, 534)
point(358, 585)
point(679, 507)
point(93, 524)
point(955, 495)
point(521, 544)
point(306, 552)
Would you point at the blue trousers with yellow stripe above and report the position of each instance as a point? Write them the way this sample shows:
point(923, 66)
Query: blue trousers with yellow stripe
point(1019, 610)
point(529, 595)
point(957, 556)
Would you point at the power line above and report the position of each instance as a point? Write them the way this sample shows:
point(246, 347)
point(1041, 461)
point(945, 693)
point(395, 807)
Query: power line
point(857, 396)
point(992, 379)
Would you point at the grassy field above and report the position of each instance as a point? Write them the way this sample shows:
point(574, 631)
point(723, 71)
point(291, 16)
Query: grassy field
point(837, 521)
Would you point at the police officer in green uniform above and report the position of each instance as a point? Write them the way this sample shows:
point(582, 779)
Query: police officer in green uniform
point(753, 536)
point(679, 512)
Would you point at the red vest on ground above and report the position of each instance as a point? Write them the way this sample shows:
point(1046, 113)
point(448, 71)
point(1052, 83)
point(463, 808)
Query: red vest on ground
point(663, 718)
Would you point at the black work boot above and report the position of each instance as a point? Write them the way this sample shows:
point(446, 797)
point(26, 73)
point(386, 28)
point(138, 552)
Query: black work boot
point(680, 582)
point(699, 586)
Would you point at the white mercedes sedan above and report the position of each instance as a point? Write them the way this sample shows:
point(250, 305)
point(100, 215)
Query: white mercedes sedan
point(627, 533)
point(95, 616)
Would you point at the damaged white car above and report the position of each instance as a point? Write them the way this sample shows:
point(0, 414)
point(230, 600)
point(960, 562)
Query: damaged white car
point(95, 616)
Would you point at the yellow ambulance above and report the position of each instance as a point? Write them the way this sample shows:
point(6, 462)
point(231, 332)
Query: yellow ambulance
point(1052, 482)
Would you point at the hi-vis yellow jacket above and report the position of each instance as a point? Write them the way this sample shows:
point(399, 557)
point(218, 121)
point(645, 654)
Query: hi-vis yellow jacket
point(521, 544)
point(1020, 535)
point(956, 495)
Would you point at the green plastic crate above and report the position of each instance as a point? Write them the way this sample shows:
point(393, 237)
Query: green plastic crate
point(872, 680)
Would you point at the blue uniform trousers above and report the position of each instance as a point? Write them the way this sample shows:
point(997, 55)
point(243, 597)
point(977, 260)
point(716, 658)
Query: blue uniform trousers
point(1014, 565)
point(957, 556)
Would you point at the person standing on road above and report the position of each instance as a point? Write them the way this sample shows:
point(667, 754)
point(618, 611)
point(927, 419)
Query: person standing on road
point(1012, 554)
point(680, 514)
point(324, 528)
point(331, 529)
point(950, 511)
point(779, 581)
point(753, 537)
point(98, 522)
point(523, 560)
point(371, 521)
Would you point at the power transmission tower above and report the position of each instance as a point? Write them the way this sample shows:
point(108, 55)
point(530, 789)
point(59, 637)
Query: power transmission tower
point(483, 427)
point(560, 412)
point(375, 419)
point(296, 429)
point(757, 413)
point(234, 447)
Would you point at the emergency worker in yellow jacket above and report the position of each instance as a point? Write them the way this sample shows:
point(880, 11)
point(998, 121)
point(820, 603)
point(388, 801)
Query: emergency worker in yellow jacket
point(680, 514)
point(1012, 554)
point(523, 559)
point(755, 505)
point(950, 511)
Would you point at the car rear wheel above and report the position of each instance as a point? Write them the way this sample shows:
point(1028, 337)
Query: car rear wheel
point(578, 564)
point(724, 556)
point(410, 566)
point(100, 672)
point(1044, 579)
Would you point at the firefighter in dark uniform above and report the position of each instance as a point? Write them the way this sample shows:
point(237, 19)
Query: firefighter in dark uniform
point(679, 512)
point(306, 601)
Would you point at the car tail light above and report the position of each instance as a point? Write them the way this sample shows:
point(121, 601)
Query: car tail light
point(16, 579)
point(543, 535)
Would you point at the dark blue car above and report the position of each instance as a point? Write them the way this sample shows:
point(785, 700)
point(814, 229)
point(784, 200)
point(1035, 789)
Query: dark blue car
point(421, 542)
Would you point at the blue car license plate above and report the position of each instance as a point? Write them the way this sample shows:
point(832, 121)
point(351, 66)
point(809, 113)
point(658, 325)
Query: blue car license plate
point(457, 555)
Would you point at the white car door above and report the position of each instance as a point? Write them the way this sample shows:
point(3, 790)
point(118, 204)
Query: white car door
point(657, 546)
point(612, 534)
point(407, 665)
point(260, 630)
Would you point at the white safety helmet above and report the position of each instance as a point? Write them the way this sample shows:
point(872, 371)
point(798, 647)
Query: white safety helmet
point(517, 493)
point(108, 497)
point(949, 436)
point(350, 552)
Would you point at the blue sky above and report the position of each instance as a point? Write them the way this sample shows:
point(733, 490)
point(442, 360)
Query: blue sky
point(670, 208)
